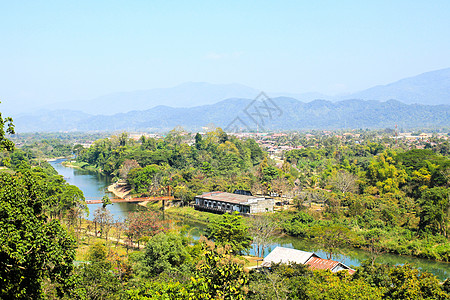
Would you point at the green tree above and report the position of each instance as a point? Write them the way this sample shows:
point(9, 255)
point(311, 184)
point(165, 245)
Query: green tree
point(77, 149)
point(199, 144)
point(6, 144)
point(219, 275)
point(384, 175)
point(97, 252)
point(269, 173)
point(332, 286)
point(165, 252)
point(106, 201)
point(140, 179)
point(71, 197)
point(230, 230)
point(332, 238)
point(96, 280)
point(372, 240)
point(434, 214)
point(410, 283)
point(32, 248)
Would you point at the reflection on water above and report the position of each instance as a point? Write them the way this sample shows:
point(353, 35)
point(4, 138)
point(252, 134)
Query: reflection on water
point(352, 257)
point(94, 186)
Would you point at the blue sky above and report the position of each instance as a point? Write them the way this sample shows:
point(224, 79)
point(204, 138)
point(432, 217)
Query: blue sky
point(55, 51)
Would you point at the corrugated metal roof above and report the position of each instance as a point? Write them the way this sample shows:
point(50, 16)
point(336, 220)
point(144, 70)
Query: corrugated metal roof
point(318, 263)
point(286, 256)
point(228, 197)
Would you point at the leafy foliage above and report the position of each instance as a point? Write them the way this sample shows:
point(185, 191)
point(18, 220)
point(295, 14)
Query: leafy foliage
point(33, 248)
point(6, 144)
point(219, 275)
point(230, 230)
point(165, 252)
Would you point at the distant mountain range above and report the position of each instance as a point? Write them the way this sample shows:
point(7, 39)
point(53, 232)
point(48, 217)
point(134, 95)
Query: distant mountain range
point(430, 88)
point(427, 98)
point(182, 95)
point(277, 114)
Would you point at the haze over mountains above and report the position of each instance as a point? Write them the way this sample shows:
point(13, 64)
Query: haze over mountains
point(430, 88)
point(183, 95)
point(162, 109)
point(291, 115)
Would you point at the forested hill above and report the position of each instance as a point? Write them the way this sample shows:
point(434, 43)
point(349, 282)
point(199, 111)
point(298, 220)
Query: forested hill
point(284, 114)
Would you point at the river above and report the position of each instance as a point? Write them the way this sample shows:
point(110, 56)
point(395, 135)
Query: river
point(94, 186)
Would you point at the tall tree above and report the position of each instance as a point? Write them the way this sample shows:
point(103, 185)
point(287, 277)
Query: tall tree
point(230, 230)
point(32, 248)
point(6, 144)
point(219, 275)
point(332, 238)
point(104, 218)
point(263, 231)
point(344, 181)
point(165, 252)
point(434, 214)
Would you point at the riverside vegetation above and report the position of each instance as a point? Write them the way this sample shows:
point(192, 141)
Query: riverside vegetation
point(354, 186)
point(376, 194)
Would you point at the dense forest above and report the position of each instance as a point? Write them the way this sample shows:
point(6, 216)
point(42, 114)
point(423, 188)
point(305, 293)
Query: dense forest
point(214, 162)
point(369, 193)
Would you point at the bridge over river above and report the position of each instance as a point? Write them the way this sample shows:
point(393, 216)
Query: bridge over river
point(130, 200)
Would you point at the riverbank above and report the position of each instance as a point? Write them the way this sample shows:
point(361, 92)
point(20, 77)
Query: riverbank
point(80, 165)
point(353, 257)
point(119, 189)
point(57, 158)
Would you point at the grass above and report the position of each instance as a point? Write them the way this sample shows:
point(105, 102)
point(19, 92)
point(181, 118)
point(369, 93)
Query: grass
point(82, 251)
point(85, 241)
point(84, 244)
point(252, 261)
point(190, 214)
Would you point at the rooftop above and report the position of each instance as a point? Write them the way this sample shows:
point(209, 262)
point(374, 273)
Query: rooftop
point(286, 256)
point(317, 263)
point(228, 197)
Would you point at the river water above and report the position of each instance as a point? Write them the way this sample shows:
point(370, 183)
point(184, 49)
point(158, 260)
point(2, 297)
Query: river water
point(94, 186)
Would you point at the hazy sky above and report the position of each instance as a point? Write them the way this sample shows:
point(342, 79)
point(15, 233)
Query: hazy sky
point(54, 51)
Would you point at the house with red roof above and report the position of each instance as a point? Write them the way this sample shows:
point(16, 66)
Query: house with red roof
point(289, 255)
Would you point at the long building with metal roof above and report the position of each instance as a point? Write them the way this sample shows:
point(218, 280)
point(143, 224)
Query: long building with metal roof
point(222, 202)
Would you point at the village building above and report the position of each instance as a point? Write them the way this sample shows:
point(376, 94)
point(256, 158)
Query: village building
point(289, 256)
point(317, 263)
point(221, 202)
